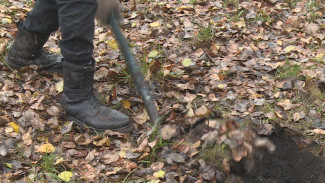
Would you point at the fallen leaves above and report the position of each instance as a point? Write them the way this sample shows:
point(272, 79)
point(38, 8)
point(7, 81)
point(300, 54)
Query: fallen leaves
point(240, 72)
point(169, 131)
point(46, 148)
point(141, 118)
point(65, 176)
point(186, 62)
point(286, 104)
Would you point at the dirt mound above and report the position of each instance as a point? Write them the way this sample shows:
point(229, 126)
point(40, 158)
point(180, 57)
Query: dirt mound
point(291, 162)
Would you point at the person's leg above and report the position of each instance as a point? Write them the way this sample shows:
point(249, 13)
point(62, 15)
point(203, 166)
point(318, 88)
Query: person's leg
point(32, 35)
point(76, 20)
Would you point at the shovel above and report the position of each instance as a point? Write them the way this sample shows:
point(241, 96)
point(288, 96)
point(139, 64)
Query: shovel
point(135, 71)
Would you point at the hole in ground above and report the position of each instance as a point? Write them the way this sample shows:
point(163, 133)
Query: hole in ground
point(290, 163)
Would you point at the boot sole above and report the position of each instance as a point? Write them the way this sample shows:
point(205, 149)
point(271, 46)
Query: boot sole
point(83, 126)
point(15, 66)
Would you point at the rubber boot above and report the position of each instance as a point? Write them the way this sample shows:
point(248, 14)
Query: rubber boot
point(27, 49)
point(82, 107)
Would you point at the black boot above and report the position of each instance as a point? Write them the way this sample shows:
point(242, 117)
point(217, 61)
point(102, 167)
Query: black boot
point(27, 49)
point(82, 107)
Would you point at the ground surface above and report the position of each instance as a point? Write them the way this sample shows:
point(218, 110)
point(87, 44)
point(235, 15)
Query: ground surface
point(257, 64)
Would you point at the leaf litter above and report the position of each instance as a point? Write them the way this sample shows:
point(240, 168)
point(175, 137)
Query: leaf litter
point(260, 64)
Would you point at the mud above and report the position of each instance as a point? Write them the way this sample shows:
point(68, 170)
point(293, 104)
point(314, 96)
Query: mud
point(293, 162)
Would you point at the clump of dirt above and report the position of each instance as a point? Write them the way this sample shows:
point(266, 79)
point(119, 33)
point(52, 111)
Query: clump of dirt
point(293, 161)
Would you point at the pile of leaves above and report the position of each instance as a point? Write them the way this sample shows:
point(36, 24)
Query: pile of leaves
point(261, 63)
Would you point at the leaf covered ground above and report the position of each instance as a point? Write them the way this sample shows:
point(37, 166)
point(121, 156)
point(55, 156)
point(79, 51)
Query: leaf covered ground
point(218, 70)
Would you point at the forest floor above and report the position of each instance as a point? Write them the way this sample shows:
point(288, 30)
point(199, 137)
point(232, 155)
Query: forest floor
point(240, 86)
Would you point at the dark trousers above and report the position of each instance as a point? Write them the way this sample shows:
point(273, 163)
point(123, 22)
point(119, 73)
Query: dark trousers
point(76, 21)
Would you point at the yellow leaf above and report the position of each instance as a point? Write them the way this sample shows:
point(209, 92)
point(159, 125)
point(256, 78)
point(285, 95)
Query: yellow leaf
point(133, 15)
point(257, 95)
point(133, 24)
point(8, 165)
point(126, 104)
point(14, 126)
point(279, 42)
point(46, 148)
point(190, 112)
point(221, 86)
point(58, 161)
point(321, 55)
point(59, 86)
point(187, 62)
point(116, 169)
point(9, 129)
point(241, 23)
point(112, 43)
point(289, 49)
point(6, 21)
point(159, 174)
point(322, 26)
point(155, 24)
point(122, 154)
point(153, 54)
point(65, 176)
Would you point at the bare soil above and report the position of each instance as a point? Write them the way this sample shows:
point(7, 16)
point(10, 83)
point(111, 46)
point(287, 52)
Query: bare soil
point(292, 162)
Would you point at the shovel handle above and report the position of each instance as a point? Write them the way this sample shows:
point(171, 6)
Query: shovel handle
point(135, 71)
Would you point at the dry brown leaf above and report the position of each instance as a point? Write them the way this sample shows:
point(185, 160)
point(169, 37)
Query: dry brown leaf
point(82, 139)
point(169, 131)
point(27, 138)
point(298, 116)
point(141, 118)
point(103, 142)
point(109, 158)
point(318, 131)
point(53, 111)
point(286, 104)
point(202, 111)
